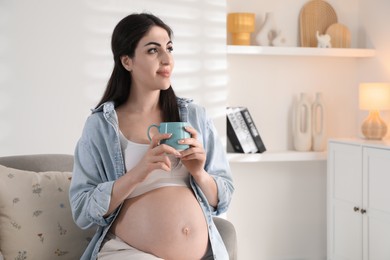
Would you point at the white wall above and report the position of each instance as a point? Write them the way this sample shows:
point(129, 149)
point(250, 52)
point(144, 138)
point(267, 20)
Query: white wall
point(279, 209)
point(55, 60)
point(374, 20)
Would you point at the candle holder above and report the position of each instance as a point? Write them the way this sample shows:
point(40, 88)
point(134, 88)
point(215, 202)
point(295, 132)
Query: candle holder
point(241, 25)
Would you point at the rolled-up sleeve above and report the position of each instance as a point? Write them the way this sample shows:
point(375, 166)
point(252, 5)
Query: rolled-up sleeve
point(218, 167)
point(90, 192)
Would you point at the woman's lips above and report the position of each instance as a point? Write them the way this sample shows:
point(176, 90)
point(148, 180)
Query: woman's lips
point(164, 73)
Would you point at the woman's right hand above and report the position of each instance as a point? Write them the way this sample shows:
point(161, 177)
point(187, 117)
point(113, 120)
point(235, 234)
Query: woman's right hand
point(156, 157)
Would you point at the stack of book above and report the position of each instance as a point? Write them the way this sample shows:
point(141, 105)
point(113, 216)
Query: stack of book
point(242, 132)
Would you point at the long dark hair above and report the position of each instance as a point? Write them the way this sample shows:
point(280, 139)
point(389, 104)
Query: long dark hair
point(127, 33)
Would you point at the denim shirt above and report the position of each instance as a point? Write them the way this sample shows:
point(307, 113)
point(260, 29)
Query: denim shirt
point(99, 162)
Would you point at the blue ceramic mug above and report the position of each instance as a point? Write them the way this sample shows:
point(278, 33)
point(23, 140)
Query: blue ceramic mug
point(176, 129)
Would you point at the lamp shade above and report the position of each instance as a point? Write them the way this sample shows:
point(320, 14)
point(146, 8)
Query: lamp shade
point(374, 96)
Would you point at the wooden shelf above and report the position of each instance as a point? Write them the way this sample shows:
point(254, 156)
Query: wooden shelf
point(270, 156)
point(300, 51)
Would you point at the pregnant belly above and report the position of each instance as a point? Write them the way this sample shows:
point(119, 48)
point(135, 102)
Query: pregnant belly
point(166, 222)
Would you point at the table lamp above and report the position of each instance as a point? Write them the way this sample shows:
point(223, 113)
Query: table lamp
point(374, 97)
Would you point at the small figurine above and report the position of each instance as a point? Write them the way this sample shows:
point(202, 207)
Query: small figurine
point(278, 39)
point(323, 40)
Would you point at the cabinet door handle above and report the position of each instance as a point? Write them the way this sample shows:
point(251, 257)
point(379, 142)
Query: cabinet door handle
point(363, 211)
point(356, 209)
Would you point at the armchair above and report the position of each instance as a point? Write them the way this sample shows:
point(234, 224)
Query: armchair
point(49, 175)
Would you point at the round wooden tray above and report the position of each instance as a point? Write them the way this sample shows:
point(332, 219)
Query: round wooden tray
point(316, 15)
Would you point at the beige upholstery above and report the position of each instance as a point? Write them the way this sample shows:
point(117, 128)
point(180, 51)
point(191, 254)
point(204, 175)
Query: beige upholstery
point(35, 217)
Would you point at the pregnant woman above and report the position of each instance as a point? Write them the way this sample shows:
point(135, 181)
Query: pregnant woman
point(148, 200)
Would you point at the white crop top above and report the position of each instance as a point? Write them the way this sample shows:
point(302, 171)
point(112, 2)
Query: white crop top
point(133, 153)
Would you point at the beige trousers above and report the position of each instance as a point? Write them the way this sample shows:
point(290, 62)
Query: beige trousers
point(114, 248)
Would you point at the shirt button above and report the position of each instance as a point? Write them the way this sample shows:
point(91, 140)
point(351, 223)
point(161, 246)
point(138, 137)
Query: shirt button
point(199, 199)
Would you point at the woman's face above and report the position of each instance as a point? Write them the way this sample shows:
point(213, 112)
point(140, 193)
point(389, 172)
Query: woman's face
point(152, 64)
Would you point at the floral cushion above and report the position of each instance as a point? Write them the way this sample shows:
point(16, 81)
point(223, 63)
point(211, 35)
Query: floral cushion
point(35, 217)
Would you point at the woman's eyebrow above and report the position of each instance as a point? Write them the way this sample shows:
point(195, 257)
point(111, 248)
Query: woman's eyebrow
point(156, 43)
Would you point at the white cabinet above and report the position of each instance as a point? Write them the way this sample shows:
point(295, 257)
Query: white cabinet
point(358, 200)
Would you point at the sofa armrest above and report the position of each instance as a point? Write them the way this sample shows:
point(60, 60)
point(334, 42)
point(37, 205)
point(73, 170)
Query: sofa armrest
point(229, 236)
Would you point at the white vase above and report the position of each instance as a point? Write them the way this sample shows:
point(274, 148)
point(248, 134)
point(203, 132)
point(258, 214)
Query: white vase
point(302, 134)
point(268, 30)
point(318, 123)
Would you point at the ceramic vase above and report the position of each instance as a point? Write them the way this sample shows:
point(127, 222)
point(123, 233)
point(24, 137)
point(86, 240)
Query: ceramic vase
point(302, 125)
point(318, 123)
point(268, 30)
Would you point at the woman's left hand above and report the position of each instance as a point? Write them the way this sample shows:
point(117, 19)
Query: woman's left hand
point(193, 158)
